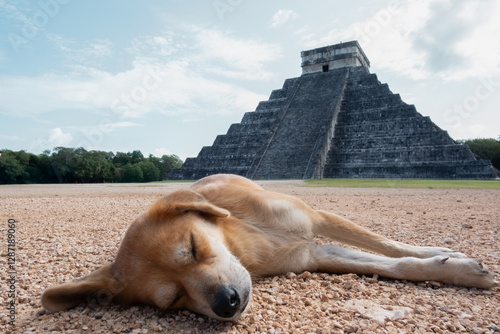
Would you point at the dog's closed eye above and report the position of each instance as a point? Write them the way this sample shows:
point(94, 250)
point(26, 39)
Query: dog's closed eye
point(193, 247)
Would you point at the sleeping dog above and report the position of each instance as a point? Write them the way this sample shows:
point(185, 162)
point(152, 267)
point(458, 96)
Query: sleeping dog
point(198, 248)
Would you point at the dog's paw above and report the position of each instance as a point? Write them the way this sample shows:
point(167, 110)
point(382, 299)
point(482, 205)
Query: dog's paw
point(441, 251)
point(423, 252)
point(465, 272)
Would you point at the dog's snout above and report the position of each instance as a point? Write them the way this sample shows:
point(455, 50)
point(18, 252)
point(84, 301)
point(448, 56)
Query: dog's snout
point(227, 302)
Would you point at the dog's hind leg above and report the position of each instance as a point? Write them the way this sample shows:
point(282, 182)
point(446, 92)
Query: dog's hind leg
point(345, 231)
point(457, 271)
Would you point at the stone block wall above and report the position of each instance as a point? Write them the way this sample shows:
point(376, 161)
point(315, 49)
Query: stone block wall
point(379, 136)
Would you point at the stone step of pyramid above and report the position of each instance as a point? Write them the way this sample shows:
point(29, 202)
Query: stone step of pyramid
point(416, 170)
point(403, 154)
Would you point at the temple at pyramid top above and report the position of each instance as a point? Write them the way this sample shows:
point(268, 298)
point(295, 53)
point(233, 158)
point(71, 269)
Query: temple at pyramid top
point(331, 57)
point(336, 120)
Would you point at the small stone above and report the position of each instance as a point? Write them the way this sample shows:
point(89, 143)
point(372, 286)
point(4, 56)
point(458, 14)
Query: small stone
point(305, 275)
point(336, 279)
point(495, 328)
point(348, 284)
point(436, 284)
point(99, 315)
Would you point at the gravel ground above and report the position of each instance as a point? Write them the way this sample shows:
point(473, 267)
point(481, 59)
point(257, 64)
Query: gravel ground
point(65, 231)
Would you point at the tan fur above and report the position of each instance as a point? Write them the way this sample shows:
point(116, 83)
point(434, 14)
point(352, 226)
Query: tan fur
point(197, 249)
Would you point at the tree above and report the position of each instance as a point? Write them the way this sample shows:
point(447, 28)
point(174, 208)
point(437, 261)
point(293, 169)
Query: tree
point(94, 166)
point(121, 159)
point(68, 165)
point(136, 157)
point(62, 160)
point(105, 168)
point(149, 171)
point(11, 171)
point(45, 171)
point(167, 163)
point(35, 170)
point(488, 149)
point(131, 173)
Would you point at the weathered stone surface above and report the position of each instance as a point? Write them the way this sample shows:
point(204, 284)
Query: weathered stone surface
point(377, 135)
point(331, 57)
point(304, 129)
point(336, 121)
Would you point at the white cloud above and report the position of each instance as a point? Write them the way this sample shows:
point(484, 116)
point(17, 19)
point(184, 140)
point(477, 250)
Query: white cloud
point(122, 125)
point(16, 11)
point(73, 92)
point(104, 127)
point(207, 52)
point(59, 138)
point(481, 45)
point(243, 59)
point(468, 131)
point(173, 87)
point(89, 53)
point(155, 49)
point(282, 17)
point(423, 39)
point(176, 72)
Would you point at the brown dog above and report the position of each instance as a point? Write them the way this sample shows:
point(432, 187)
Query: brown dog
point(197, 249)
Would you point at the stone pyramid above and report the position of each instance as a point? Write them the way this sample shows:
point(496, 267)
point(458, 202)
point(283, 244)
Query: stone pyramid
point(335, 121)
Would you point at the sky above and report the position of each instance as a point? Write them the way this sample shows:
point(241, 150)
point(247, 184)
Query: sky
point(168, 76)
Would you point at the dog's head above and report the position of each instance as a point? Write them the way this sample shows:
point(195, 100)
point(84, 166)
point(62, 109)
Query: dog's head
point(174, 256)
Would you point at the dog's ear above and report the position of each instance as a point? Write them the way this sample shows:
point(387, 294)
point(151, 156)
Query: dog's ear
point(100, 285)
point(183, 201)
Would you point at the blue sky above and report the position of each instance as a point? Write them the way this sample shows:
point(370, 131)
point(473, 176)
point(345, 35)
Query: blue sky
point(166, 77)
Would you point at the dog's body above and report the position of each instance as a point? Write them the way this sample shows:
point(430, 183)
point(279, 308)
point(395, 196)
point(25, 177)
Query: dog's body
point(198, 248)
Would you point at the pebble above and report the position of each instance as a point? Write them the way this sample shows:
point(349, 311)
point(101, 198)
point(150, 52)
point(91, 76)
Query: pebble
point(448, 240)
point(305, 275)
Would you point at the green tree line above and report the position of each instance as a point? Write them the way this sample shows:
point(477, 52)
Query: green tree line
point(77, 165)
point(485, 148)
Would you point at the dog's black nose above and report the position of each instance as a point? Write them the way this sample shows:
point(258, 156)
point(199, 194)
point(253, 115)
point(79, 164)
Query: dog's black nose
point(227, 302)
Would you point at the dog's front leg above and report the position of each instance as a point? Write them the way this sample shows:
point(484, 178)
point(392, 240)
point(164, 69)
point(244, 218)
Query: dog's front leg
point(345, 231)
point(457, 271)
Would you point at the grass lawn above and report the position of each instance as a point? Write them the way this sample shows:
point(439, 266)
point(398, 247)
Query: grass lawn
point(389, 183)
